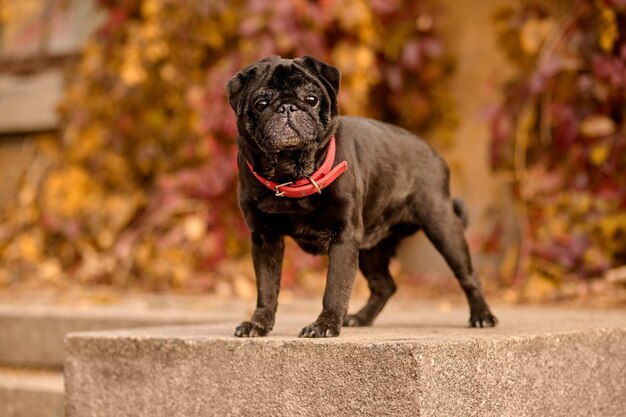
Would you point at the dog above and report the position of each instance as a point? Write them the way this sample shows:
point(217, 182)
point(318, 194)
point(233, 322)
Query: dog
point(348, 187)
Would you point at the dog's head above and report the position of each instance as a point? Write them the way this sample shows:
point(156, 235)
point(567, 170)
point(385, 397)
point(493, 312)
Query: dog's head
point(285, 104)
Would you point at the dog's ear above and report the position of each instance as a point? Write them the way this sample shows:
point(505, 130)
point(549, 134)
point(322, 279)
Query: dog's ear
point(330, 76)
point(236, 85)
point(233, 90)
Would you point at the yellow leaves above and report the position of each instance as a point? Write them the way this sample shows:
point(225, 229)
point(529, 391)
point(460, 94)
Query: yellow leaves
point(116, 211)
point(359, 74)
point(22, 247)
point(247, 47)
point(154, 46)
point(609, 31)
point(533, 33)
point(171, 266)
point(244, 287)
point(609, 233)
point(597, 126)
point(48, 145)
point(29, 246)
point(595, 258)
point(541, 286)
point(150, 31)
point(68, 191)
point(509, 263)
point(240, 276)
point(73, 193)
point(228, 21)
point(85, 143)
point(146, 112)
point(356, 16)
point(50, 270)
point(156, 51)
point(599, 154)
point(364, 58)
point(132, 71)
point(27, 195)
point(213, 36)
point(568, 74)
point(424, 22)
point(579, 203)
point(115, 169)
point(92, 59)
point(612, 224)
point(154, 119)
point(283, 41)
point(150, 8)
point(94, 265)
point(168, 73)
point(555, 226)
point(194, 227)
point(146, 45)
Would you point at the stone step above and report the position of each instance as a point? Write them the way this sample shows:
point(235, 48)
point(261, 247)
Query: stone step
point(418, 361)
point(32, 336)
point(31, 393)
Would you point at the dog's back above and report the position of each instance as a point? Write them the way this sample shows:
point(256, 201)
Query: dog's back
point(398, 174)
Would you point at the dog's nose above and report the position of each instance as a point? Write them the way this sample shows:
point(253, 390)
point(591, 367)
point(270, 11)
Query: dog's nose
point(287, 108)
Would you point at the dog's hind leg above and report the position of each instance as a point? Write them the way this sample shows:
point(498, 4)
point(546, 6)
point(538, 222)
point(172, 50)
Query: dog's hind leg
point(443, 225)
point(374, 264)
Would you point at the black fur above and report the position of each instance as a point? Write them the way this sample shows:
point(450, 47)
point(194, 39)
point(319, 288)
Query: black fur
point(395, 185)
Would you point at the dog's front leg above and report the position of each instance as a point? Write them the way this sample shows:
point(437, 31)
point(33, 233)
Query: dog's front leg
point(267, 256)
point(342, 265)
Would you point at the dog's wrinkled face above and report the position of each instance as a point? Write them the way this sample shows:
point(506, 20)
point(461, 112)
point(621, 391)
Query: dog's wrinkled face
point(285, 104)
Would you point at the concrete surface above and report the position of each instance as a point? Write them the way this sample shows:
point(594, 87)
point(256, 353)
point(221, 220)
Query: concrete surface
point(32, 336)
point(417, 362)
point(28, 103)
point(27, 393)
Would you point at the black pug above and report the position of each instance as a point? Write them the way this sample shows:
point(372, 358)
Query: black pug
point(349, 187)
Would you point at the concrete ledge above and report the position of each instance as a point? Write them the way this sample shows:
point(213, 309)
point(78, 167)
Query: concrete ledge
point(539, 362)
point(33, 336)
point(25, 393)
point(28, 103)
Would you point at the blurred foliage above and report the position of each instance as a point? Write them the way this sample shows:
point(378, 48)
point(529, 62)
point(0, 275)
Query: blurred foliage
point(141, 189)
point(560, 134)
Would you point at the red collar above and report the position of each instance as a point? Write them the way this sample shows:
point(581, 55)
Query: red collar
point(304, 187)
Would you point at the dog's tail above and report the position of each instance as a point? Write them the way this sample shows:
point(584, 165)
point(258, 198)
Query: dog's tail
point(461, 211)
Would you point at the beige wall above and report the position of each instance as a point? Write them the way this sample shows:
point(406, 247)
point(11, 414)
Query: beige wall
point(470, 34)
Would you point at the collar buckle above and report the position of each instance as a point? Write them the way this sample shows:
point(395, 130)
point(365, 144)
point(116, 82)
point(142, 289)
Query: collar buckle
point(277, 189)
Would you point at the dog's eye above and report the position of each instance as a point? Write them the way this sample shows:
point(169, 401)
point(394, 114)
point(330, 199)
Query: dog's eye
point(261, 105)
point(311, 100)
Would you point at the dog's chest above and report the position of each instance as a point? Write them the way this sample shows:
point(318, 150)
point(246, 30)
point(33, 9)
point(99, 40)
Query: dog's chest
point(306, 221)
point(312, 239)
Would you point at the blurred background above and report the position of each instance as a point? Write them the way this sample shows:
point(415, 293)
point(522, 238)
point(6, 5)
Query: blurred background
point(117, 144)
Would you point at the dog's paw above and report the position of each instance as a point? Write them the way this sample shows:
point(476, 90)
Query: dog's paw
point(250, 329)
point(354, 320)
point(483, 319)
point(320, 329)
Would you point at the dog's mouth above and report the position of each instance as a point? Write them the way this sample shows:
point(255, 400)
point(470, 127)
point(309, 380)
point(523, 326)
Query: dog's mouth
point(286, 137)
point(289, 143)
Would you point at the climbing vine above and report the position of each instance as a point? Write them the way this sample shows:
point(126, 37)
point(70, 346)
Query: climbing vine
point(140, 186)
point(560, 134)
